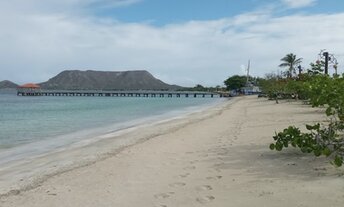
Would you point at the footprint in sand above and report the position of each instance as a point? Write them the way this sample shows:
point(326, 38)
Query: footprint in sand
point(184, 175)
point(193, 161)
point(214, 178)
point(177, 184)
point(160, 205)
point(49, 193)
point(205, 199)
point(163, 195)
point(220, 164)
point(190, 168)
point(217, 170)
point(204, 188)
point(264, 193)
point(222, 153)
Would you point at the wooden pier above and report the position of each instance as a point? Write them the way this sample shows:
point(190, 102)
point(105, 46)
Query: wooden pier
point(90, 93)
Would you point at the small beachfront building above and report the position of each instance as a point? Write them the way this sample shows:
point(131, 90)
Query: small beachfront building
point(250, 90)
point(247, 90)
point(29, 87)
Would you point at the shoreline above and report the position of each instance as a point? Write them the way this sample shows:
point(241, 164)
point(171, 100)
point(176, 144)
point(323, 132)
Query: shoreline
point(88, 151)
point(219, 157)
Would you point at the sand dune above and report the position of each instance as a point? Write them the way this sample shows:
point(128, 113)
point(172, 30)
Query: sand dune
point(219, 157)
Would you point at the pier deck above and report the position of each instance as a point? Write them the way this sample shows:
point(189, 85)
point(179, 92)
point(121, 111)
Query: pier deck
point(153, 94)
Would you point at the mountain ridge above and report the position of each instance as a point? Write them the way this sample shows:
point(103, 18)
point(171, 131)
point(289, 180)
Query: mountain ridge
point(6, 84)
point(106, 80)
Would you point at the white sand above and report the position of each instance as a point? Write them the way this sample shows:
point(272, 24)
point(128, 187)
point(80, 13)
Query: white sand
point(216, 158)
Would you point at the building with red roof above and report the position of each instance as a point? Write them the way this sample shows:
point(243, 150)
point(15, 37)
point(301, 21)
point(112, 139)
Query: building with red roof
point(30, 86)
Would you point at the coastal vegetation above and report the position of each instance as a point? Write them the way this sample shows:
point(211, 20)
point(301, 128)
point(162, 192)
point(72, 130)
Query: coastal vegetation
point(235, 82)
point(290, 61)
point(318, 90)
point(200, 87)
point(238, 82)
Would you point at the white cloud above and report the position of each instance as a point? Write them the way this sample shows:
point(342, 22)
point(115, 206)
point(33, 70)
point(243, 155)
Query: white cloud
point(71, 7)
point(112, 3)
point(39, 45)
point(298, 3)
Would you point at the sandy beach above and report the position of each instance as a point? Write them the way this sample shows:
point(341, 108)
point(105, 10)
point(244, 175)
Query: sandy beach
point(219, 157)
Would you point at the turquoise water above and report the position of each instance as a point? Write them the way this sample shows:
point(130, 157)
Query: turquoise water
point(44, 123)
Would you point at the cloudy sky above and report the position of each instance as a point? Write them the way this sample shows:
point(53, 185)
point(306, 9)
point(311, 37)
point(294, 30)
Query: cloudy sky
point(185, 42)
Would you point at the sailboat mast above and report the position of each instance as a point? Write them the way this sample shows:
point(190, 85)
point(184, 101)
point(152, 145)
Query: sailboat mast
point(248, 71)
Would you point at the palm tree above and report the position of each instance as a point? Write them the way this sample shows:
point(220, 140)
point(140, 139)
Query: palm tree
point(291, 62)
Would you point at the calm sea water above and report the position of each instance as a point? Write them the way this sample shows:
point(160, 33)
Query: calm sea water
point(31, 125)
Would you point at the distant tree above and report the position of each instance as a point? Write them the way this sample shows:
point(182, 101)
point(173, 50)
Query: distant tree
point(235, 82)
point(316, 68)
point(290, 61)
point(199, 87)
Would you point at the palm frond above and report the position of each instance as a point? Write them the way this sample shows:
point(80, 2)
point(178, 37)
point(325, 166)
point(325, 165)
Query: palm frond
point(284, 65)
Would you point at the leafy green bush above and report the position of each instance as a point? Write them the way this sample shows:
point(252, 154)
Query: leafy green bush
point(318, 141)
point(328, 140)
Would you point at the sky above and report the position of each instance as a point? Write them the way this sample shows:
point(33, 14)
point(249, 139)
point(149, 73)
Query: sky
point(184, 42)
